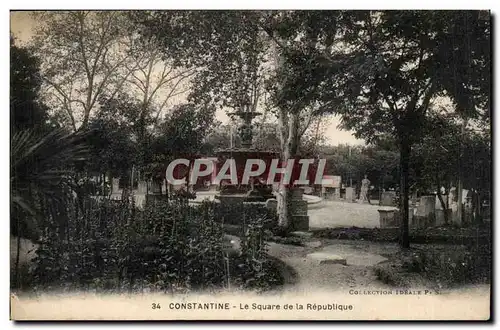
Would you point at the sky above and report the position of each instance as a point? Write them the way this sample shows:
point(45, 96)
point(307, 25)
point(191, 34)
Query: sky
point(22, 26)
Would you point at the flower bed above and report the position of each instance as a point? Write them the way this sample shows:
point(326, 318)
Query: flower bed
point(169, 247)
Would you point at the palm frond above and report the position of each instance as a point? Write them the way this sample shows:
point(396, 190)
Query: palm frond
point(41, 167)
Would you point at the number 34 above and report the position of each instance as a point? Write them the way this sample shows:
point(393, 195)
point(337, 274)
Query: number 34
point(155, 306)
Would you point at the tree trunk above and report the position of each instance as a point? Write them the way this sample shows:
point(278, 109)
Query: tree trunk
point(460, 174)
point(441, 201)
point(125, 191)
point(443, 205)
point(289, 150)
point(282, 199)
point(405, 152)
point(477, 207)
point(459, 200)
point(85, 121)
point(448, 188)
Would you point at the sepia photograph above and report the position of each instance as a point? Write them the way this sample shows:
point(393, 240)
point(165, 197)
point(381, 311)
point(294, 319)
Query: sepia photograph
point(253, 165)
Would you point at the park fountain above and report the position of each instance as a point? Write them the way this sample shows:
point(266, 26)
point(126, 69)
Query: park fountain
point(256, 190)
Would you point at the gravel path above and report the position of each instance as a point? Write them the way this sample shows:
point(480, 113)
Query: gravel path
point(331, 214)
point(311, 275)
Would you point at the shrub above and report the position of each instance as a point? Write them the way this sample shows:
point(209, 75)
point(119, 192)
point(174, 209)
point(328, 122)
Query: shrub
point(451, 265)
point(168, 246)
point(243, 214)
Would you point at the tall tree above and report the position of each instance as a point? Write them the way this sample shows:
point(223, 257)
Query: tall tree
point(114, 137)
point(242, 65)
point(380, 70)
point(444, 148)
point(182, 134)
point(395, 63)
point(155, 82)
point(86, 54)
point(26, 109)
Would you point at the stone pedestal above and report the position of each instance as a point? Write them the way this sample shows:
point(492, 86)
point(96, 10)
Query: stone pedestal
point(438, 202)
point(115, 186)
point(297, 210)
point(426, 213)
point(296, 193)
point(298, 215)
point(455, 219)
point(350, 194)
point(363, 196)
point(300, 222)
point(388, 198)
point(388, 217)
point(426, 206)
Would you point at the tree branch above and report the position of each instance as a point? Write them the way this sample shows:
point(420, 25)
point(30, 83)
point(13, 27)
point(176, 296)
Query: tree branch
point(307, 123)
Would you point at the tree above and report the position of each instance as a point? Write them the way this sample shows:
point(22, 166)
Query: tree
point(39, 155)
point(113, 140)
point(26, 110)
point(314, 137)
point(266, 137)
point(181, 135)
point(443, 149)
point(222, 136)
point(40, 168)
point(85, 56)
point(393, 64)
point(380, 70)
point(155, 81)
point(438, 146)
point(241, 65)
point(183, 132)
point(353, 162)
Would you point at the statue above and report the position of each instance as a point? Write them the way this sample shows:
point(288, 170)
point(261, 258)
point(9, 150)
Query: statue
point(365, 186)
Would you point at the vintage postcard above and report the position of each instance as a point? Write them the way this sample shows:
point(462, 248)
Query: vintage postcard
point(250, 165)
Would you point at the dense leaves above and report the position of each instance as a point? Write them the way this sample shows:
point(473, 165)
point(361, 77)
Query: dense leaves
point(167, 247)
point(83, 59)
point(40, 175)
point(353, 162)
point(382, 71)
point(26, 110)
point(397, 62)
